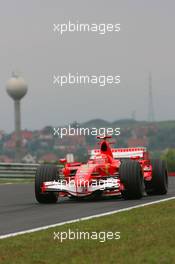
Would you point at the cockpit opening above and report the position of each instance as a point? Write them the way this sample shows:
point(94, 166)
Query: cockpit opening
point(104, 146)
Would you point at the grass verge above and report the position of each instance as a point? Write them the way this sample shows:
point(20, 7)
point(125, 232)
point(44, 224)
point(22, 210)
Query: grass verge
point(10, 181)
point(147, 236)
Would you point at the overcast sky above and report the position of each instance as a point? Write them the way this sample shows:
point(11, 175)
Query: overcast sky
point(146, 43)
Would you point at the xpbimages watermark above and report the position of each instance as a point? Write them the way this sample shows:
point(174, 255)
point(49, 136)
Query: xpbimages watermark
point(85, 79)
point(82, 131)
point(87, 185)
point(102, 236)
point(99, 28)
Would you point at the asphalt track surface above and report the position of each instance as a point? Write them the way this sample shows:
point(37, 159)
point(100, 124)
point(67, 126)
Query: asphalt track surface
point(19, 210)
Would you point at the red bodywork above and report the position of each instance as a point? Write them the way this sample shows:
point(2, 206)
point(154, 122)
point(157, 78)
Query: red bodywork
point(104, 163)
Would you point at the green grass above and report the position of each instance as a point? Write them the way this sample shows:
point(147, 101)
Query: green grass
point(147, 236)
point(7, 180)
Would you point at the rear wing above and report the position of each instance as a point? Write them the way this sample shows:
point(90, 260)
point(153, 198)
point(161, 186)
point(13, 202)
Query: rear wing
point(122, 153)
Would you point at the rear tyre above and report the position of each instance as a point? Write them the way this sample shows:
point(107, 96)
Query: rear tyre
point(45, 173)
point(159, 183)
point(132, 178)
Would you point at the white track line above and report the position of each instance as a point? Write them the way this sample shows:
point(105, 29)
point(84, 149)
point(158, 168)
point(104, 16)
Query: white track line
point(83, 218)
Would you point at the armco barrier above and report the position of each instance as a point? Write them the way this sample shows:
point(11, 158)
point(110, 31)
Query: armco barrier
point(18, 170)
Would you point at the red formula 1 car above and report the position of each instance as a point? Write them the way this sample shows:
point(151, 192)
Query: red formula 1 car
point(128, 172)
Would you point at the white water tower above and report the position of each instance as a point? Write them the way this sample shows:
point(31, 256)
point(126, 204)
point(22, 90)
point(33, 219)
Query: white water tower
point(17, 89)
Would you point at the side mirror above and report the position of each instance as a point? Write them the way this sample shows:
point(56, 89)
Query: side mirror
point(62, 161)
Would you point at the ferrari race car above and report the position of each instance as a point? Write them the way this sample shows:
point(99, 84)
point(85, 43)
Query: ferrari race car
point(127, 172)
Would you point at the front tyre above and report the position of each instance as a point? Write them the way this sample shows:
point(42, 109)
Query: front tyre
point(45, 173)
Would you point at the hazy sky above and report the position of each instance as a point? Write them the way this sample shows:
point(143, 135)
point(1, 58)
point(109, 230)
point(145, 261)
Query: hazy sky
point(146, 43)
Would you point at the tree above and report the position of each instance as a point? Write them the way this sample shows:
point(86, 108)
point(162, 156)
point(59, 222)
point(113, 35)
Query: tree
point(169, 156)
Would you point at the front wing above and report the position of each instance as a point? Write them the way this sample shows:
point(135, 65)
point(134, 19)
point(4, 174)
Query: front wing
point(75, 189)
